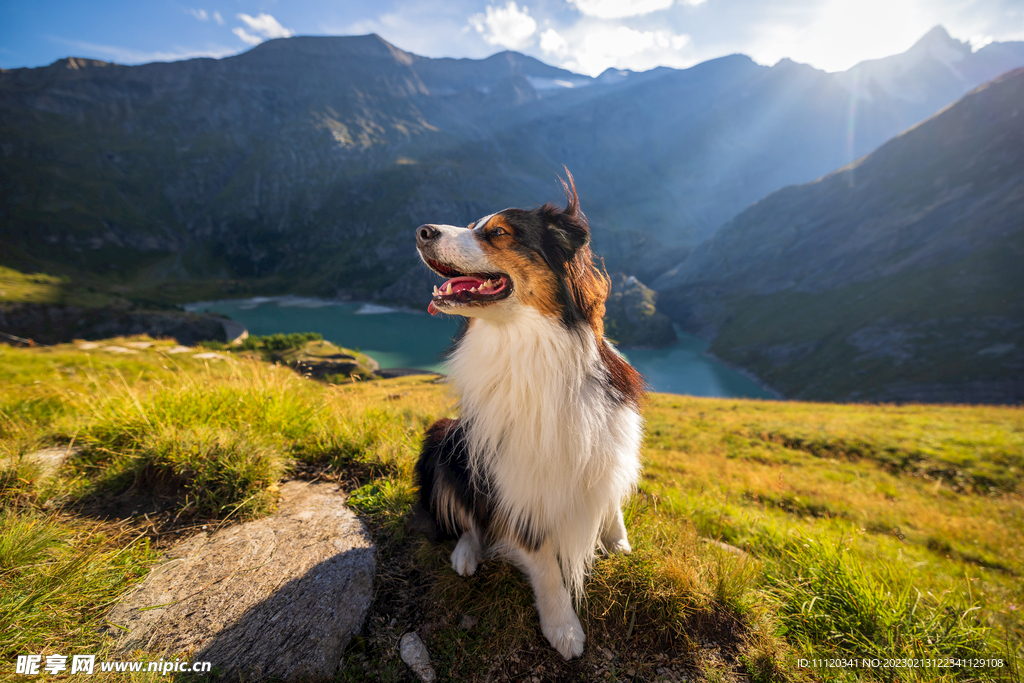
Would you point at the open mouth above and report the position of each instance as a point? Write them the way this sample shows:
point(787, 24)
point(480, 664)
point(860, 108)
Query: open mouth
point(467, 289)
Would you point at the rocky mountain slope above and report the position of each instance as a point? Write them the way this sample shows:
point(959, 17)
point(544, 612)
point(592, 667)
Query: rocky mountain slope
point(306, 162)
point(897, 277)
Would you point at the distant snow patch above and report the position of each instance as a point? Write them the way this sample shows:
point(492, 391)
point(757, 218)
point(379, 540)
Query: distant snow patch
point(556, 83)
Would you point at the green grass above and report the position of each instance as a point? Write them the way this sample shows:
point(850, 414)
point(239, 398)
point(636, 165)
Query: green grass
point(58, 576)
point(43, 288)
point(866, 531)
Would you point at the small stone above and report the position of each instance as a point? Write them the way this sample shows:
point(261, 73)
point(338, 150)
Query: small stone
point(469, 621)
point(50, 460)
point(414, 654)
point(607, 654)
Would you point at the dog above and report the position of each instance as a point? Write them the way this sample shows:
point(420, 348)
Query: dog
point(546, 448)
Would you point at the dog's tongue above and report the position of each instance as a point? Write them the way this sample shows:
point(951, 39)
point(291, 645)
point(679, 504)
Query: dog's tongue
point(457, 285)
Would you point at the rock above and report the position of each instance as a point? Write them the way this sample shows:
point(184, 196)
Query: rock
point(721, 545)
point(631, 318)
point(50, 459)
point(234, 332)
point(277, 597)
point(322, 367)
point(390, 373)
point(323, 360)
point(469, 621)
point(117, 349)
point(58, 323)
point(414, 654)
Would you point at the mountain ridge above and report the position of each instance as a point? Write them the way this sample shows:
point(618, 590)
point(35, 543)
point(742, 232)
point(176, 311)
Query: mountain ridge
point(304, 160)
point(889, 279)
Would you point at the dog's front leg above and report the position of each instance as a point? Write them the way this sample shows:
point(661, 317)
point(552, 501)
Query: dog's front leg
point(614, 538)
point(558, 620)
point(468, 552)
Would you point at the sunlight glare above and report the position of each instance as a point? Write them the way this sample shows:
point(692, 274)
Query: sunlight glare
point(845, 33)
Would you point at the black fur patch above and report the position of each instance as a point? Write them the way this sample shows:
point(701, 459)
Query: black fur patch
point(442, 472)
point(546, 234)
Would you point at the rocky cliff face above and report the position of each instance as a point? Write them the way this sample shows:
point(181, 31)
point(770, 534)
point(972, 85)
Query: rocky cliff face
point(56, 323)
point(632, 319)
point(308, 161)
point(894, 278)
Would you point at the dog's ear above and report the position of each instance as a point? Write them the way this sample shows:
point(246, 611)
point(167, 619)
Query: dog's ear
point(568, 227)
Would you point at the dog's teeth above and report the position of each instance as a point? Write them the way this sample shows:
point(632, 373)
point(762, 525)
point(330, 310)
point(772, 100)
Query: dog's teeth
point(449, 290)
point(473, 290)
point(437, 292)
point(488, 285)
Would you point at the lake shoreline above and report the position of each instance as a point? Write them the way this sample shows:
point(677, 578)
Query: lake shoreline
point(776, 394)
point(399, 337)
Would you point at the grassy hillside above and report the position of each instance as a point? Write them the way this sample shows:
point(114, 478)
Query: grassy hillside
point(764, 532)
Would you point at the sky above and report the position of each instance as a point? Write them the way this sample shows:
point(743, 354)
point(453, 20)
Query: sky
point(585, 36)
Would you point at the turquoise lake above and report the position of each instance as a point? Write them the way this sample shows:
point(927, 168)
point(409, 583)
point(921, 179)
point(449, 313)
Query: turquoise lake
point(400, 338)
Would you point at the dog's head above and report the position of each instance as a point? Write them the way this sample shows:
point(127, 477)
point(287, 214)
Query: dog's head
point(514, 258)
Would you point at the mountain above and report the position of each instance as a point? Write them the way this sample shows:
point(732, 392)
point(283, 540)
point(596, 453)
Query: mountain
point(303, 164)
point(897, 277)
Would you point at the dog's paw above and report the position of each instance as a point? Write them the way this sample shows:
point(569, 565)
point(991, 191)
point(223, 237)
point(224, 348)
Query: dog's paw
point(466, 556)
point(565, 635)
point(620, 546)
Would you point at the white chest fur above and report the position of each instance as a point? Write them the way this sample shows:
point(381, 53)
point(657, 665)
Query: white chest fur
point(558, 450)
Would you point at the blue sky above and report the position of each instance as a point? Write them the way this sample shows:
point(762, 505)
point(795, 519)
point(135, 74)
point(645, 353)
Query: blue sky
point(586, 36)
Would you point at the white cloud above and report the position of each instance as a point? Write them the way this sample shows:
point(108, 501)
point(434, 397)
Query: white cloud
point(246, 36)
point(263, 26)
point(218, 18)
point(594, 48)
point(507, 26)
point(618, 9)
point(553, 44)
point(199, 14)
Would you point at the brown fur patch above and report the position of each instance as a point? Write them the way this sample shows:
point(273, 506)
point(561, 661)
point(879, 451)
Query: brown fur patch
point(533, 281)
point(624, 377)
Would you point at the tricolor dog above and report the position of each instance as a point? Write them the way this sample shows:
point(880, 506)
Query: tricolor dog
point(546, 448)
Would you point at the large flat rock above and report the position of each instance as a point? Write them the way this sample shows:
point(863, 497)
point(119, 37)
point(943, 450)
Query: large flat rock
point(277, 597)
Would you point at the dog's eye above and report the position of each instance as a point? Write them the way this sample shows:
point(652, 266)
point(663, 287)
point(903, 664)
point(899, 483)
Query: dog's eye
point(498, 231)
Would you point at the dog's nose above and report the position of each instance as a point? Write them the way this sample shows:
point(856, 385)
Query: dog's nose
point(425, 233)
